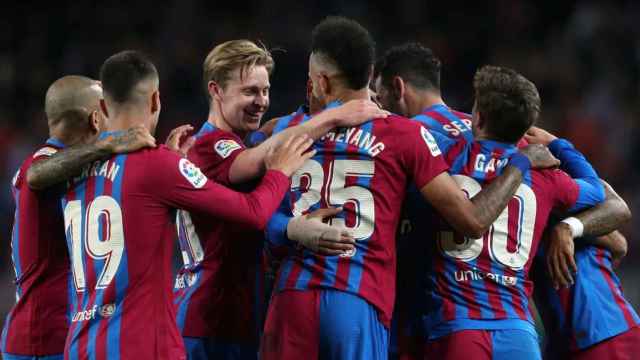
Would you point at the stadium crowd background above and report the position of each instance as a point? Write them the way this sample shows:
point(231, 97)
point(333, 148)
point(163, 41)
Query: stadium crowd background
point(583, 56)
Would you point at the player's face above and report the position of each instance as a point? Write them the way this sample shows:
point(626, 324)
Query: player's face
point(244, 100)
point(386, 99)
point(318, 83)
point(314, 103)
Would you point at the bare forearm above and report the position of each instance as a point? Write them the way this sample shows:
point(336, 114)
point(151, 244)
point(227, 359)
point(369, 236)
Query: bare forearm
point(492, 200)
point(607, 216)
point(64, 165)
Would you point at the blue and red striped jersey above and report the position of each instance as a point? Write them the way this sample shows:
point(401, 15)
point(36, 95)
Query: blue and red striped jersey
point(365, 170)
point(119, 224)
point(37, 324)
point(218, 290)
point(483, 283)
point(442, 119)
point(592, 310)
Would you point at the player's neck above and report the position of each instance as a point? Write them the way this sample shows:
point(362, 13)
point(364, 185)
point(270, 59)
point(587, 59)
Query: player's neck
point(125, 119)
point(216, 119)
point(345, 95)
point(426, 100)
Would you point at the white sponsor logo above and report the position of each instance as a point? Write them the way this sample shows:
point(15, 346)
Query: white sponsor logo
point(185, 280)
point(477, 275)
point(430, 141)
point(45, 151)
point(225, 147)
point(105, 311)
point(192, 173)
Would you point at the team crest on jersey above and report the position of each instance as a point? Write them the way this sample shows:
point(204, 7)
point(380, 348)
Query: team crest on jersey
point(430, 141)
point(192, 173)
point(45, 151)
point(107, 310)
point(225, 147)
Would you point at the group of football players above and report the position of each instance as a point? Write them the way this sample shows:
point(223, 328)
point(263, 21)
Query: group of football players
point(373, 222)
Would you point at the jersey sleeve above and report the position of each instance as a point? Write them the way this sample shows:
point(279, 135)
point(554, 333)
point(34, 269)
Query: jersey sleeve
point(276, 231)
point(183, 185)
point(422, 155)
point(43, 153)
point(591, 190)
point(215, 153)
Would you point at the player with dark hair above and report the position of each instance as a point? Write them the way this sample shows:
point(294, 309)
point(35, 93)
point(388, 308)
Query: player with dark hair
point(218, 290)
point(118, 216)
point(477, 289)
point(339, 307)
point(37, 325)
point(407, 82)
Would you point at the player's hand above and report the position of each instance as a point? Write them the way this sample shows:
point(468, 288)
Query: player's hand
point(290, 156)
point(356, 112)
point(540, 156)
point(324, 239)
point(135, 138)
point(175, 137)
point(561, 264)
point(536, 135)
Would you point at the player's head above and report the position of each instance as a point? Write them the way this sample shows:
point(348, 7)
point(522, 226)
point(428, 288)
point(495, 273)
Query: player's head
point(131, 85)
point(236, 79)
point(404, 75)
point(506, 104)
point(72, 106)
point(342, 58)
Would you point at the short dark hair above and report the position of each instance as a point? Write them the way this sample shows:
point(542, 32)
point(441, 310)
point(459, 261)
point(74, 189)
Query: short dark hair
point(122, 72)
point(414, 63)
point(507, 101)
point(348, 45)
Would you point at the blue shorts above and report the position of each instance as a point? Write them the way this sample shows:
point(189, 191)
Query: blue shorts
point(7, 356)
point(505, 344)
point(323, 324)
point(205, 349)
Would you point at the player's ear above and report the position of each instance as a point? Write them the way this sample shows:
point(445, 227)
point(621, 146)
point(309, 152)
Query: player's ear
point(94, 122)
point(215, 90)
point(325, 84)
point(155, 102)
point(103, 108)
point(398, 87)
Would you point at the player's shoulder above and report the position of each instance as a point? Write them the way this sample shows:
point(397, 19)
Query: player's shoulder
point(549, 180)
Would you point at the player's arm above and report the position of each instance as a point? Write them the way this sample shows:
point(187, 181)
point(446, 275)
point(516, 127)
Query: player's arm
point(69, 162)
point(309, 231)
point(184, 186)
point(473, 217)
point(597, 225)
point(250, 163)
point(616, 243)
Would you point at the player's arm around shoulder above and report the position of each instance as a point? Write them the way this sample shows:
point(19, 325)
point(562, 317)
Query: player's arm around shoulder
point(62, 165)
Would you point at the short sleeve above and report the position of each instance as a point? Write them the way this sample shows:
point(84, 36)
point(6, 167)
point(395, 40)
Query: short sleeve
point(566, 190)
point(214, 153)
point(422, 154)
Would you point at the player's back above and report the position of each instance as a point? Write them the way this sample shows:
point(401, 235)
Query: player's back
point(449, 122)
point(37, 324)
point(120, 235)
point(475, 280)
point(365, 170)
point(590, 311)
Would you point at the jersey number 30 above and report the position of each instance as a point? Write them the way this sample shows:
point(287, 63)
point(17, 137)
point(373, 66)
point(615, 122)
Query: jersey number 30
point(516, 221)
point(101, 237)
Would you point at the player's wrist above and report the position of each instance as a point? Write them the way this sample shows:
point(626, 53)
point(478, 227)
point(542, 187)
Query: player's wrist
point(520, 161)
point(575, 226)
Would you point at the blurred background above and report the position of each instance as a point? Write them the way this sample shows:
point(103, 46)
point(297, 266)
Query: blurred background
point(584, 57)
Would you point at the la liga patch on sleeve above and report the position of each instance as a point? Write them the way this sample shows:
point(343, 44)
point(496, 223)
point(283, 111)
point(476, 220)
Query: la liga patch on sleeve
point(45, 151)
point(225, 147)
point(192, 173)
point(430, 141)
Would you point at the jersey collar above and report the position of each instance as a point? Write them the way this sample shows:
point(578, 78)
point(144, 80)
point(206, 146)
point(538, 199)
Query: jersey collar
point(105, 134)
point(435, 107)
point(55, 142)
point(206, 128)
point(491, 145)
